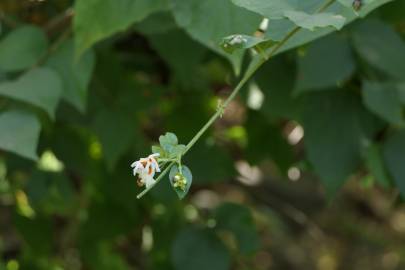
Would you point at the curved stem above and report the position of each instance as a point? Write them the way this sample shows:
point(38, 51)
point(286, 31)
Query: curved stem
point(246, 77)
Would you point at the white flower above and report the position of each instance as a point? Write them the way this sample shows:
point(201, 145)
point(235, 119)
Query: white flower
point(146, 169)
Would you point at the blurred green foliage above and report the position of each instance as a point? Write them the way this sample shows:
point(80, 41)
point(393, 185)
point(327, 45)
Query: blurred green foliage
point(305, 170)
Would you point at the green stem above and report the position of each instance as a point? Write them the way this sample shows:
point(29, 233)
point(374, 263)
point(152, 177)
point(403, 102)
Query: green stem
point(160, 177)
point(249, 73)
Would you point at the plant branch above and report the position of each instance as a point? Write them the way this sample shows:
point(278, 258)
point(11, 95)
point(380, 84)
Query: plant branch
point(255, 65)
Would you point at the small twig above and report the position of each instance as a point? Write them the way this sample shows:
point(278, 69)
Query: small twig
point(63, 17)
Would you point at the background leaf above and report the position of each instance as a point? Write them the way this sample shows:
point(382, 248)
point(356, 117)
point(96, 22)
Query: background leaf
point(75, 75)
point(326, 63)
point(394, 149)
point(112, 16)
point(370, 39)
point(311, 22)
point(225, 19)
point(20, 133)
point(22, 48)
point(383, 100)
point(199, 249)
point(40, 87)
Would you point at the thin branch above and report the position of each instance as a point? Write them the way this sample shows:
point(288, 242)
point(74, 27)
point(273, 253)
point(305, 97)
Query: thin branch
point(247, 76)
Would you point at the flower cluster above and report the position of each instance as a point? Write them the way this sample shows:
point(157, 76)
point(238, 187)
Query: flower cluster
point(180, 181)
point(146, 168)
point(168, 154)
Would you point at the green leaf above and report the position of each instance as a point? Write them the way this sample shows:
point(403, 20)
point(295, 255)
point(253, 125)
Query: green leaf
point(370, 39)
point(168, 141)
point(383, 99)
point(115, 131)
point(75, 74)
point(276, 80)
point(199, 250)
point(350, 3)
point(186, 173)
point(210, 20)
point(238, 219)
point(157, 23)
point(394, 149)
point(266, 140)
point(328, 62)
point(182, 54)
point(177, 150)
point(95, 20)
point(22, 48)
point(376, 166)
point(334, 136)
point(280, 28)
point(243, 42)
point(311, 22)
point(274, 9)
point(19, 133)
point(40, 87)
point(156, 149)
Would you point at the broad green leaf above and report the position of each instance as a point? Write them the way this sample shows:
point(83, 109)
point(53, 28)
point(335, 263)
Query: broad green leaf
point(276, 80)
point(334, 136)
point(238, 219)
point(394, 149)
point(311, 22)
point(75, 75)
point(280, 28)
point(22, 48)
point(243, 42)
point(186, 173)
point(182, 54)
point(115, 131)
point(40, 87)
point(157, 23)
point(327, 62)
point(375, 164)
point(266, 141)
point(210, 20)
point(275, 9)
point(95, 20)
point(352, 3)
point(371, 39)
point(178, 150)
point(383, 99)
point(19, 133)
point(199, 249)
point(168, 139)
point(168, 142)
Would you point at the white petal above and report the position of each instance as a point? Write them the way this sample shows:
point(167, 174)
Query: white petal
point(149, 181)
point(154, 155)
point(134, 163)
